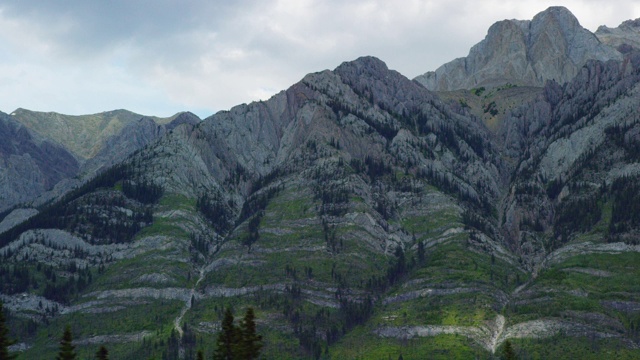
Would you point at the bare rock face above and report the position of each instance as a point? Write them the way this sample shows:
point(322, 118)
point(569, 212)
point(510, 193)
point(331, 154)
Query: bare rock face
point(552, 46)
point(46, 151)
point(623, 38)
point(29, 164)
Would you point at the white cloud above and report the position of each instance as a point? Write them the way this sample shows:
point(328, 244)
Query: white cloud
point(164, 56)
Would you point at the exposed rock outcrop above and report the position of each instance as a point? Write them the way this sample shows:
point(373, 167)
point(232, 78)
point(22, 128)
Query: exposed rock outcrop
point(552, 46)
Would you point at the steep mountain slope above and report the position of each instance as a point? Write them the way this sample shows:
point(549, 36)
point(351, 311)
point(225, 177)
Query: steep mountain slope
point(356, 211)
point(29, 164)
point(552, 46)
point(278, 199)
point(70, 149)
point(624, 36)
point(82, 135)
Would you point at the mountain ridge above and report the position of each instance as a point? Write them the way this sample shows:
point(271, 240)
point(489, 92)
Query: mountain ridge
point(552, 46)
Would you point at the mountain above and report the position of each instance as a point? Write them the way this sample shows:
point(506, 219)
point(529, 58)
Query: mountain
point(624, 36)
point(29, 163)
point(66, 147)
point(552, 46)
point(362, 216)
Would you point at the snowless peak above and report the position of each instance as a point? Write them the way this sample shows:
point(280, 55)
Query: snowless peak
point(551, 46)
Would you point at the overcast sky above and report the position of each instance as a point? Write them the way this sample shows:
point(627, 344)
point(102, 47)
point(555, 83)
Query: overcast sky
point(158, 57)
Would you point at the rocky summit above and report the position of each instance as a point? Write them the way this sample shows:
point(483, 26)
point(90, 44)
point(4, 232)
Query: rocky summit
point(551, 46)
point(488, 209)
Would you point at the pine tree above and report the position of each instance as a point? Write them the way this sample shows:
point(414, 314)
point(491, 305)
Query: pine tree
point(227, 339)
point(507, 352)
point(67, 350)
point(200, 355)
point(251, 342)
point(102, 354)
point(4, 338)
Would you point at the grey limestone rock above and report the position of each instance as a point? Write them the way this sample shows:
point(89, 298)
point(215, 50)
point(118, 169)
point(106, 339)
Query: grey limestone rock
point(551, 46)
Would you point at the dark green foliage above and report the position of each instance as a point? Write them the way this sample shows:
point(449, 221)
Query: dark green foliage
point(143, 191)
point(625, 215)
point(377, 168)
point(238, 342)
point(14, 279)
point(251, 342)
point(491, 108)
point(99, 218)
point(102, 353)
point(554, 187)
point(21, 278)
point(4, 338)
point(257, 202)
point(577, 215)
point(200, 355)
point(226, 344)
point(63, 291)
point(334, 197)
point(71, 212)
point(67, 350)
point(214, 208)
point(253, 234)
point(478, 91)
point(507, 351)
point(421, 253)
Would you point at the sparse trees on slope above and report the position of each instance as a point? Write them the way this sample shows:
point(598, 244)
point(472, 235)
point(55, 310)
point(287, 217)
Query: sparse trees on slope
point(102, 354)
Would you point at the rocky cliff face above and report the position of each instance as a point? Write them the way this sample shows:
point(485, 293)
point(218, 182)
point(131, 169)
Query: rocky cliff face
point(552, 46)
point(48, 150)
point(625, 36)
point(29, 164)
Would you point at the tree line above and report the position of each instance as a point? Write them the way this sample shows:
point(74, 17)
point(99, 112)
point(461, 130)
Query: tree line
point(234, 342)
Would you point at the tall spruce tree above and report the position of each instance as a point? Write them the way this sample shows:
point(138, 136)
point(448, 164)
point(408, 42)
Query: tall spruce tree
point(67, 350)
point(4, 338)
point(102, 353)
point(251, 342)
point(227, 342)
point(507, 352)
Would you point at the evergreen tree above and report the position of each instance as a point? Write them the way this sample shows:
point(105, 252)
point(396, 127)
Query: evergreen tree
point(507, 352)
point(200, 355)
point(4, 338)
point(227, 342)
point(251, 342)
point(102, 354)
point(67, 350)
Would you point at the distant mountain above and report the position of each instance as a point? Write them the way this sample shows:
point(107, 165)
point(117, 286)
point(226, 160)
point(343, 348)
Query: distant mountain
point(70, 146)
point(551, 46)
point(625, 36)
point(29, 163)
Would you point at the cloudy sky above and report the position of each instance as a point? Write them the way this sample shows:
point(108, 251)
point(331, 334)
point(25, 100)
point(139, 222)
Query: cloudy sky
point(158, 57)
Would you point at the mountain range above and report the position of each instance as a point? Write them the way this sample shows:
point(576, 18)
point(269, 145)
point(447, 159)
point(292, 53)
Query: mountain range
point(362, 214)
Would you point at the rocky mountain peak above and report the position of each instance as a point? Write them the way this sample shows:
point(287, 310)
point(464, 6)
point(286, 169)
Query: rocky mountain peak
point(551, 46)
point(624, 38)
